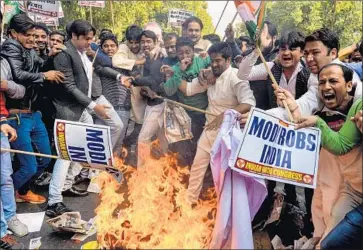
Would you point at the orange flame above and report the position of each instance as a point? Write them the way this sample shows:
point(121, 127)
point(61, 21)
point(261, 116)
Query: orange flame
point(150, 209)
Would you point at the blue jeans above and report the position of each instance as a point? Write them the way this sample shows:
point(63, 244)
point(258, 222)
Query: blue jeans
point(31, 133)
point(124, 116)
point(348, 233)
point(7, 202)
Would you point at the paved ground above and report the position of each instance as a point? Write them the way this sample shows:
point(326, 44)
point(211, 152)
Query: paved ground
point(52, 240)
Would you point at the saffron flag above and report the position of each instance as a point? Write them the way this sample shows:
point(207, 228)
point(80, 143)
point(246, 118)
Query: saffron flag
point(252, 14)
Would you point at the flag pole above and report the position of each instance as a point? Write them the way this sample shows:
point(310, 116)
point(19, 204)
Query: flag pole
point(234, 18)
point(274, 83)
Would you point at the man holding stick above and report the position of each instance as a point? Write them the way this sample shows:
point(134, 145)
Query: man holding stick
point(228, 92)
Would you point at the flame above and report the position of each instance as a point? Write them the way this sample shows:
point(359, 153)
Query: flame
point(154, 211)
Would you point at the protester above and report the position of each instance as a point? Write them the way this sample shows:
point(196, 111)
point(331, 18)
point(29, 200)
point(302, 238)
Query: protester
point(332, 202)
point(185, 71)
point(228, 92)
point(152, 77)
point(244, 43)
point(73, 101)
point(56, 37)
point(192, 27)
point(30, 129)
point(9, 219)
point(117, 94)
point(41, 40)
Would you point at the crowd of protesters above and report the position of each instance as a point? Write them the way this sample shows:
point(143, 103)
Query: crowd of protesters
point(68, 75)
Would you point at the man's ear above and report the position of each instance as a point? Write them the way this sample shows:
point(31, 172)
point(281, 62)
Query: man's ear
point(274, 40)
point(229, 60)
point(349, 86)
point(13, 33)
point(334, 53)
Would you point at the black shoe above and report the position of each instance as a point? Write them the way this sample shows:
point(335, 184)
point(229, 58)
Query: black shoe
point(73, 191)
point(79, 179)
point(57, 209)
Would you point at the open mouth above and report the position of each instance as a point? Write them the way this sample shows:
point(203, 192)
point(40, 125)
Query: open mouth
point(329, 96)
point(287, 59)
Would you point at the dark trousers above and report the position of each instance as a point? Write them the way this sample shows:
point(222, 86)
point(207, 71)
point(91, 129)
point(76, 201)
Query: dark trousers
point(32, 135)
point(348, 234)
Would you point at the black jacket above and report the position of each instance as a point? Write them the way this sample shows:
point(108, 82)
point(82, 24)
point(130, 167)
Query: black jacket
point(152, 78)
point(70, 97)
point(25, 66)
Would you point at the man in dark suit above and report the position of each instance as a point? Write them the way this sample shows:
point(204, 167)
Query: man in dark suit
point(73, 100)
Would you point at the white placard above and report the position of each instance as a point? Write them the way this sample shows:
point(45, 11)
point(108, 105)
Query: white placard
point(273, 149)
point(178, 16)
point(98, 4)
point(45, 8)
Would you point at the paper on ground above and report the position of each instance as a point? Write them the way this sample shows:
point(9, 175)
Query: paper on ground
point(34, 221)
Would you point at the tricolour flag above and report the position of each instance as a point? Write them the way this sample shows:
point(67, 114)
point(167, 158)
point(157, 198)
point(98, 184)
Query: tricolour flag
point(9, 8)
point(252, 14)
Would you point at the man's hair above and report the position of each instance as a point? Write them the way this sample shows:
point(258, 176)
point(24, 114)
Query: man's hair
point(108, 36)
point(213, 38)
point(105, 30)
point(1, 17)
point(192, 19)
point(360, 49)
point(347, 72)
point(21, 23)
point(184, 41)
point(81, 28)
point(222, 48)
point(328, 37)
point(271, 28)
point(246, 39)
point(68, 30)
point(170, 36)
point(149, 34)
point(57, 32)
point(133, 32)
point(293, 39)
point(42, 26)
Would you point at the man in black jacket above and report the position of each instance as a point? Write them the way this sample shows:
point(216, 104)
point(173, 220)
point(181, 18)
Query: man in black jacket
point(153, 120)
point(26, 68)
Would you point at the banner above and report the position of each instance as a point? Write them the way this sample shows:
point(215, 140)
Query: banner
point(274, 150)
point(99, 4)
point(252, 14)
point(45, 8)
point(49, 21)
point(87, 144)
point(178, 16)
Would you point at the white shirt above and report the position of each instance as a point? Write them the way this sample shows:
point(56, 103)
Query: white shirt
point(87, 65)
point(259, 72)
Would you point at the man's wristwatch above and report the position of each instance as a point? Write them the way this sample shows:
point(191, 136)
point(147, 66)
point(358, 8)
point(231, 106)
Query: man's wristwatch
point(44, 77)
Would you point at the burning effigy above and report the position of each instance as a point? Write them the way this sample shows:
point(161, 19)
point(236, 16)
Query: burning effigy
point(149, 209)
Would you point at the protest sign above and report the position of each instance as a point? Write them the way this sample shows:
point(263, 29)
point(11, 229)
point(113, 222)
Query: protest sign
point(99, 4)
point(49, 21)
point(178, 16)
point(273, 149)
point(45, 8)
point(87, 144)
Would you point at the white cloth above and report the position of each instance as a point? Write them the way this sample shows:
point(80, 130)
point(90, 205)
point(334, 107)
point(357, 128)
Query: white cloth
point(240, 197)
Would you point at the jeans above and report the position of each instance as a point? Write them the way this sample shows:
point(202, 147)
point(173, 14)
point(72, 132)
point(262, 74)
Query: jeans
point(31, 133)
point(348, 233)
point(7, 202)
point(124, 116)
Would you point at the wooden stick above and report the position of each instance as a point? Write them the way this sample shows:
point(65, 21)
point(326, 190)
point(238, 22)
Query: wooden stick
point(50, 156)
point(186, 106)
point(29, 153)
point(234, 18)
point(274, 83)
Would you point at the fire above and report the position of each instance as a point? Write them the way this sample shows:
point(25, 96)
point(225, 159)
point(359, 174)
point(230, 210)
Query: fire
point(149, 209)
